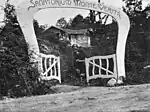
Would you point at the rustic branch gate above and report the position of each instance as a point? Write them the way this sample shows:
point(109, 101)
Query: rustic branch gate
point(101, 67)
point(25, 10)
point(50, 66)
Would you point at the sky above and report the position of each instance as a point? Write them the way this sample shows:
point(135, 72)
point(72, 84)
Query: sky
point(2, 2)
point(51, 15)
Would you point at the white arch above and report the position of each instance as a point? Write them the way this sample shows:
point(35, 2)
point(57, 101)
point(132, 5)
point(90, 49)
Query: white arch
point(26, 9)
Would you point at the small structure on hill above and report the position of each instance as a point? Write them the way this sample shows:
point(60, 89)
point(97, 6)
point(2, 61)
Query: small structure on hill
point(75, 37)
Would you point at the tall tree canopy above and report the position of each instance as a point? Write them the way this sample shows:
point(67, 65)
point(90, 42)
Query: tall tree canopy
point(78, 19)
point(62, 23)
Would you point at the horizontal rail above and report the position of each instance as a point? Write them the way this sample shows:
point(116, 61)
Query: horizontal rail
point(48, 56)
point(102, 76)
point(102, 57)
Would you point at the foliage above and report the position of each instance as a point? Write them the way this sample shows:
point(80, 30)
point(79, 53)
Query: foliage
point(62, 23)
point(38, 28)
point(103, 37)
point(132, 6)
point(137, 48)
point(62, 49)
point(77, 20)
point(17, 75)
point(19, 78)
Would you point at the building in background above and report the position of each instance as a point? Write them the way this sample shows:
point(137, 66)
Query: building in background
point(79, 38)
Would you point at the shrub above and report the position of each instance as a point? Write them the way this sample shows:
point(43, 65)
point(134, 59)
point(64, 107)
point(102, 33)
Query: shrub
point(17, 75)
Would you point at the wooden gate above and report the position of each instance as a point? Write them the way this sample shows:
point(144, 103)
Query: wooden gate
point(50, 65)
point(101, 67)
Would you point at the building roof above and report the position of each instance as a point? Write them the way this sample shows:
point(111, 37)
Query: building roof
point(68, 31)
point(75, 32)
point(52, 27)
point(84, 29)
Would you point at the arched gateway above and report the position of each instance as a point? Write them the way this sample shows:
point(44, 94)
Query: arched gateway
point(25, 10)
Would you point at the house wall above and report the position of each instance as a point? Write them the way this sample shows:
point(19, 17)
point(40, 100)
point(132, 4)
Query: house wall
point(81, 40)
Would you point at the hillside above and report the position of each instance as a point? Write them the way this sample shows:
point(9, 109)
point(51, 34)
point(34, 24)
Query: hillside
point(133, 98)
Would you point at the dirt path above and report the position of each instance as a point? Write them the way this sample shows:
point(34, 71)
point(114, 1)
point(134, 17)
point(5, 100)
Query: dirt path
point(89, 99)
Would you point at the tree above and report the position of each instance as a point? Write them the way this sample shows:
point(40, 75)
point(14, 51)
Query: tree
point(12, 25)
point(132, 7)
point(38, 29)
point(78, 19)
point(146, 26)
point(17, 75)
point(72, 23)
point(92, 16)
point(62, 23)
point(138, 17)
point(138, 39)
point(10, 21)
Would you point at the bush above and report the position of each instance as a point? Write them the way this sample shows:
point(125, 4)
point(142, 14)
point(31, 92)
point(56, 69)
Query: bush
point(136, 59)
point(17, 75)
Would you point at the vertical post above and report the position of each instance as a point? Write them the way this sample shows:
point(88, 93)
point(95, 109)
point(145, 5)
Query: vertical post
point(115, 66)
point(107, 66)
point(40, 65)
point(100, 63)
point(50, 64)
point(93, 70)
point(45, 65)
point(123, 26)
point(87, 69)
point(55, 70)
point(58, 62)
point(26, 23)
point(25, 19)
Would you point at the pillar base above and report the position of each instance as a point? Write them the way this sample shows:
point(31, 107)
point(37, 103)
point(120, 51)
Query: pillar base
point(120, 80)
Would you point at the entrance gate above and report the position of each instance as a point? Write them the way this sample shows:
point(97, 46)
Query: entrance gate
point(50, 66)
point(25, 10)
point(101, 67)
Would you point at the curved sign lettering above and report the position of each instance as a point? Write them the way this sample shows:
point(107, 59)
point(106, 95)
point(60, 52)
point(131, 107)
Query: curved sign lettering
point(26, 9)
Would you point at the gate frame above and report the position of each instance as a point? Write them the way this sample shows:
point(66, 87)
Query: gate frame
point(87, 63)
point(26, 9)
point(57, 76)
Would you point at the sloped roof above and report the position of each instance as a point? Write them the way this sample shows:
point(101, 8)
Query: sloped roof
point(69, 31)
point(48, 29)
point(81, 31)
point(84, 28)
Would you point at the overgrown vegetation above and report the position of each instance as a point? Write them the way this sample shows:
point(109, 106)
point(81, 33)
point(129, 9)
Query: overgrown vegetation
point(19, 78)
point(17, 75)
point(137, 47)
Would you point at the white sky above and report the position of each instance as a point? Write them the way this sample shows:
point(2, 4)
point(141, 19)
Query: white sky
point(2, 2)
point(50, 16)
